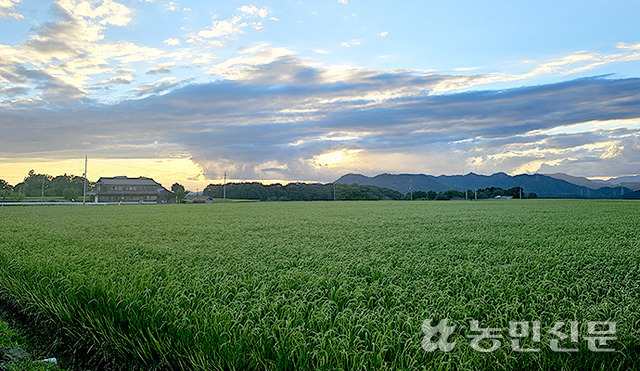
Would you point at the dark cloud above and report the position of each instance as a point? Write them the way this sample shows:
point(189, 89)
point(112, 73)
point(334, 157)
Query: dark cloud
point(268, 129)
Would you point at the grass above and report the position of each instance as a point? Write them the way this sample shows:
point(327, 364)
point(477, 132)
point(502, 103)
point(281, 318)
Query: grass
point(327, 285)
point(11, 338)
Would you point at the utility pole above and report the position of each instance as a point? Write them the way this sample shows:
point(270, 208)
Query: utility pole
point(42, 199)
point(334, 191)
point(224, 188)
point(84, 186)
point(411, 187)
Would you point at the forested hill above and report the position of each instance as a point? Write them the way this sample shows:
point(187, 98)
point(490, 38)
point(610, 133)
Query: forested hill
point(542, 185)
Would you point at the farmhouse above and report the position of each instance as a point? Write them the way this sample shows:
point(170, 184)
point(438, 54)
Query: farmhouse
point(123, 189)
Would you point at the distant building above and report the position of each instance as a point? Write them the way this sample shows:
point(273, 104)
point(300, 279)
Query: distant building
point(503, 197)
point(202, 200)
point(123, 189)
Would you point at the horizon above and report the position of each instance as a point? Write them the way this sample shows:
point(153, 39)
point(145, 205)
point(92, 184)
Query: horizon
point(167, 184)
point(304, 91)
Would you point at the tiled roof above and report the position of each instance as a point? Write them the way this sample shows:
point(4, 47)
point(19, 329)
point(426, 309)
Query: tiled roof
point(123, 180)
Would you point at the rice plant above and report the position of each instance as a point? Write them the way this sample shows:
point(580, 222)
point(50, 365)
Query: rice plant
point(329, 285)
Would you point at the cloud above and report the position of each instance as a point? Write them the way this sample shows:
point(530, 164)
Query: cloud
point(383, 34)
point(162, 85)
point(171, 6)
point(223, 28)
point(118, 80)
point(108, 12)
point(253, 10)
point(226, 28)
point(8, 9)
point(60, 57)
point(160, 69)
point(172, 42)
point(343, 2)
point(350, 43)
point(270, 114)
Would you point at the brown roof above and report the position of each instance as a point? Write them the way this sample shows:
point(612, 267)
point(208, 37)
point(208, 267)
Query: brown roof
point(123, 180)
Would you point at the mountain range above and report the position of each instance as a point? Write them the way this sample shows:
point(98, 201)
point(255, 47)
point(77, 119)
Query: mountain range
point(550, 186)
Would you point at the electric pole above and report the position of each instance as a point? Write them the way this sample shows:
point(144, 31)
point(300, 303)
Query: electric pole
point(224, 188)
point(411, 187)
point(84, 186)
point(334, 191)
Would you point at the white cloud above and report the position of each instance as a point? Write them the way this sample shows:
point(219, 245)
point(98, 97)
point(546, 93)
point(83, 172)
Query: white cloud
point(465, 69)
point(60, 58)
point(344, 2)
point(628, 46)
point(171, 6)
point(253, 10)
point(223, 28)
point(383, 34)
point(567, 65)
point(241, 68)
point(258, 26)
point(7, 9)
point(350, 43)
point(172, 42)
point(321, 51)
point(108, 12)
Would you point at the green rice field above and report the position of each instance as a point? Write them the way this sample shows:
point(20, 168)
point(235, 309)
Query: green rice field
point(330, 285)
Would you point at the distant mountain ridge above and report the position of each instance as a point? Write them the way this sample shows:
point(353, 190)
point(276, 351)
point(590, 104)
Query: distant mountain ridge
point(631, 182)
point(542, 185)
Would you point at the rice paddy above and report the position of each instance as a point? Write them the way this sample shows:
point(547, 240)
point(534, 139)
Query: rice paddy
point(330, 285)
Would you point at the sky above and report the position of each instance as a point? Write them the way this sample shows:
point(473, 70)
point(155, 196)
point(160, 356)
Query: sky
point(280, 91)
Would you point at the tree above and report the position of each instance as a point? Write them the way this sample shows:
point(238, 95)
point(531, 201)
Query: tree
point(179, 192)
point(70, 194)
point(418, 195)
point(33, 184)
point(5, 189)
point(442, 196)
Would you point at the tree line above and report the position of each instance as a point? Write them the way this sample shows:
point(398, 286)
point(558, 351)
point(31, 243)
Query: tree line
point(38, 185)
point(484, 193)
point(301, 192)
point(70, 187)
point(330, 191)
